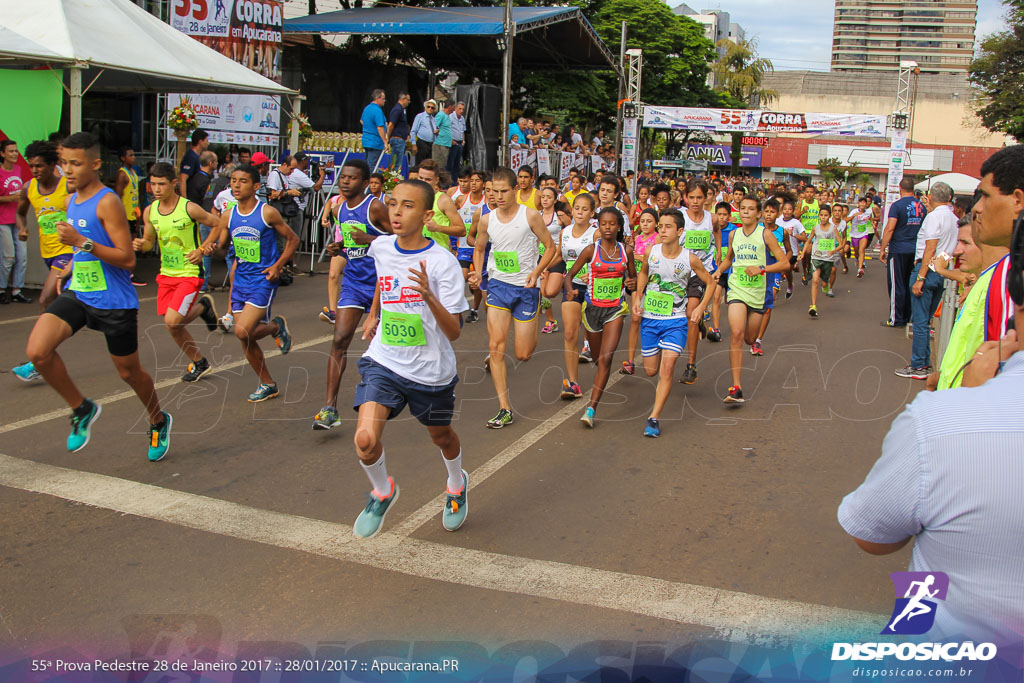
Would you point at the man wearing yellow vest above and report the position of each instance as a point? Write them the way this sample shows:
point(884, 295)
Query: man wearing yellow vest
point(174, 222)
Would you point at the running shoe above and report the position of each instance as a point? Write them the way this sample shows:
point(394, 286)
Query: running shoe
point(283, 338)
point(628, 368)
point(138, 283)
point(196, 371)
point(209, 314)
point(825, 289)
point(472, 316)
point(5, 298)
point(26, 372)
point(653, 428)
point(227, 323)
point(328, 316)
point(545, 303)
point(813, 311)
point(327, 417)
point(860, 272)
point(571, 390)
point(503, 418)
point(588, 417)
point(585, 356)
point(550, 328)
point(81, 427)
point(263, 393)
point(714, 335)
point(690, 374)
point(702, 329)
point(20, 298)
point(735, 395)
point(707, 317)
point(756, 350)
point(160, 437)
point(831, 293)
point(370, 520)
point(789, 292)
point(910, 372)
point(804, 279)
point(889, 323)
point(456, 505)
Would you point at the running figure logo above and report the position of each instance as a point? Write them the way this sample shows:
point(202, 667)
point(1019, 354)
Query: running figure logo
point(914, 613)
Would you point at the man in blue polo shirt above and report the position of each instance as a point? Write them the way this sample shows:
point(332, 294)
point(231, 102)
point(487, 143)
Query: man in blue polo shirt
point(375, 137)
point(899, 244)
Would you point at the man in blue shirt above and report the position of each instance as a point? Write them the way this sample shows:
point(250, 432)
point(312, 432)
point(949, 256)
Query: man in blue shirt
point(398, 130)
point(375, 135)
point(190, 162)
point(422, 133)
point(443, 138)
point(899, 244)
point(458, 119)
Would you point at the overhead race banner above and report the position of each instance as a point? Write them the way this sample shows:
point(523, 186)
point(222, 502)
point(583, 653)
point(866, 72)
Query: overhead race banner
point(762, 121)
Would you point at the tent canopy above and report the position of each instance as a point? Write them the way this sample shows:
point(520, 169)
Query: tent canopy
point(452, 37)
point(119, 47)
point(961, 183)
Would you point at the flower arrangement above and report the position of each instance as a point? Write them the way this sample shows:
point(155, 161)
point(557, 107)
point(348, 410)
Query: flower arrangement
point(183, 118)
point(391, 178)
point(305, 130)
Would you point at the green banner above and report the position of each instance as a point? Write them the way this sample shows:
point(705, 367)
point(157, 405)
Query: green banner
point(32, 104)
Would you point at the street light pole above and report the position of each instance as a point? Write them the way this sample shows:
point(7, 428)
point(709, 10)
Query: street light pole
point(506, 85)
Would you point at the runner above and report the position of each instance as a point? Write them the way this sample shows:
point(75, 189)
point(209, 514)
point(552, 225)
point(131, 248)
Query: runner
point(607, 193)
point(661, 195)
point(770, 214)
point(513, 271)
point(861, 228)
point(795, 236)
point(575, 190)
point(643, 201)
point(329, 313)
point(572, 242)
point(526, 192)
point(127, 188)
point(724, 227)
point(359, 220)
point(748, 294)
point(416, 315)
point(222, 204)
point(841, 227)
point(642, 242)
point(703, 240)
point(611, 272)
point(467, 205)
point(375, 188)
point(100, 297)
point(489, 206)
point(253, 227)
point(47, 195)
point(662, 299)
point(444, 221)
point(807, 212)
point(823, 249)
point(553, 220)
point(461, 188)
point(174, 222)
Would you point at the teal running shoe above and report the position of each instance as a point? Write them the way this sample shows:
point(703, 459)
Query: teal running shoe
point(26, 372)
point(327, 418)
point(263, 393)
point(456, 506)
point(160, 438)
point(81, 427)
point(370, 520)
point(283, 338)
point(588, 417)
point(653, 428)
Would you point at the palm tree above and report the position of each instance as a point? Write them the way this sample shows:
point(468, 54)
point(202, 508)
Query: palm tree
point(740, 72)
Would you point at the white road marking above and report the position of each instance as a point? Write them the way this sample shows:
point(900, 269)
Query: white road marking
point(33, 317)
point(731, 615)
point(128, 393)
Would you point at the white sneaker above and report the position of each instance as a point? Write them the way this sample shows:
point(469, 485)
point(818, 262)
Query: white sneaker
point(227, 323)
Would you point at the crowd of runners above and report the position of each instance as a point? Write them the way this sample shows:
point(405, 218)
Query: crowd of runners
point(409, 268)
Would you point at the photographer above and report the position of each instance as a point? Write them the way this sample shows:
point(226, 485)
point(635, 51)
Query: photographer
point(283, 196)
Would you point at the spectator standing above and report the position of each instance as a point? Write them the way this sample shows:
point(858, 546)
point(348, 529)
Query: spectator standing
point(443, 138)
point(261, 162)
point(423, 131)
point(938, 235)
point(458, 119)
point(200, 181)
point(899, 244)
point(375, 136)
point(398, 130)
point(190, 162)
point(15, 249)
point(283, 199)
point(245, 157)
point(516, 129)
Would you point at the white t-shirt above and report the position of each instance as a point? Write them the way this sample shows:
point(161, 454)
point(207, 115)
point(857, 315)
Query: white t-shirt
point(224, 200)
point(430, 359)
point(297, 180)
point(514, 248)
point(860, 223)
point(792, 227)
point(939, 224)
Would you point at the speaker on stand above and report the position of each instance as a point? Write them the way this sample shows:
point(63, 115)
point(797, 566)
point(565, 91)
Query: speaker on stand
point(483, 122)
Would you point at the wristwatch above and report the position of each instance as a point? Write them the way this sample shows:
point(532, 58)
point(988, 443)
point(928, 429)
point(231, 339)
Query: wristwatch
point(87, 246)
point(920, 277)
point(763, 270)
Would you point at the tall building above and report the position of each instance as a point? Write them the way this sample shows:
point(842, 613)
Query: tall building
point(876, 35)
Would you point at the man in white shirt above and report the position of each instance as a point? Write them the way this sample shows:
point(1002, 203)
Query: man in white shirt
point(937, 235)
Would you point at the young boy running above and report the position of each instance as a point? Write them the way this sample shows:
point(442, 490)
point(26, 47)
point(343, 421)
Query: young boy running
point(47, 195)
point(823, 249)
point(701, 239)
point(174, 222)
point(770, 214)
point(842, 228)
point(416, 315)
point(749, 293)
point(359, 220)
point(664, 286)
point(514, 267)
point(467, 205)
point(253, 227)
point(807, 212)
point(101, 297)
point(724, 227)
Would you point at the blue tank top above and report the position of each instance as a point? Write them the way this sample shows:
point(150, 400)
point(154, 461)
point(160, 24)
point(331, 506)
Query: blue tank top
point(94, 282)
point(254, 242)
point(360, 268)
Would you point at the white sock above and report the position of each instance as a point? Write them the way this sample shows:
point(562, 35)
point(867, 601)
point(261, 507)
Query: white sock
point(378, 476)
point(455, 479)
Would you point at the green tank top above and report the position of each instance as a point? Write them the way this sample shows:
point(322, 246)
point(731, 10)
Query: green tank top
point(749, 250)
point(177, 235)
point(441, 219)
point(810, 216)
point(967, 335)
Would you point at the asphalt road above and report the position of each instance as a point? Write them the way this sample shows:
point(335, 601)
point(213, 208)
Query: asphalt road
point(723, 528)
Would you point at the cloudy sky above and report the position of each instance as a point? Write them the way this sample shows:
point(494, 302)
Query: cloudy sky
point(807, 42)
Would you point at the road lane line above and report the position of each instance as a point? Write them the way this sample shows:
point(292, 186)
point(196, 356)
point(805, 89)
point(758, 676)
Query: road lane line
point(740, 617)
point(163, 384)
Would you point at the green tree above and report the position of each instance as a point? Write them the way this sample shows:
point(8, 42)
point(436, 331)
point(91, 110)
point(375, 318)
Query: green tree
point(739, 72)
point(833, 171)
point(998, 73)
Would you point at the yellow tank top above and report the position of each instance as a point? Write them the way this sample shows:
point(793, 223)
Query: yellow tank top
point(178, 235)
point(49, 210)
point(571, 196)
point(531, 201)
point(130, 196)
point(441, 219)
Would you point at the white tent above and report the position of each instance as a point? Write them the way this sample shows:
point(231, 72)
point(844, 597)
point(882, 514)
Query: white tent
point(116, 46)
point(961, 183)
